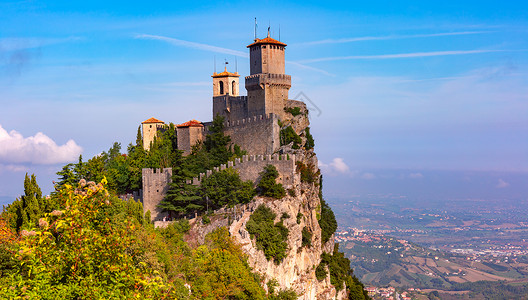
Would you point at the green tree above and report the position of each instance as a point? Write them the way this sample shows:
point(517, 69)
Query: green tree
point(25, 211)
point(181, 197)
point(270, 237)
point(288, 135)
point(268, 185)
point(226, 188)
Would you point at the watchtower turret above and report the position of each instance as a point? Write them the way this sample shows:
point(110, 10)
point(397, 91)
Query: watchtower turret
point(225, 83)
point(267, 86)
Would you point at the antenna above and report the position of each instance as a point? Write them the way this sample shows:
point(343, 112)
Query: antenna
point(215, 64)
point(255, 28)
point(236, 65)
point(269, 27)
point(225, 64)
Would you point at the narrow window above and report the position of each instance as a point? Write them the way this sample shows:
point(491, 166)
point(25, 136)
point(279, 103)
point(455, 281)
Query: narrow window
point(233, 87)
point(221, 87)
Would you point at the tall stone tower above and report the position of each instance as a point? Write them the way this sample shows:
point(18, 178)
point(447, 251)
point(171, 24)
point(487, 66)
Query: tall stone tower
point(267, 86)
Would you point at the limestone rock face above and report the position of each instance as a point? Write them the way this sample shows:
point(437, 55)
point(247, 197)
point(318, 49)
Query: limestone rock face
point(297, 270)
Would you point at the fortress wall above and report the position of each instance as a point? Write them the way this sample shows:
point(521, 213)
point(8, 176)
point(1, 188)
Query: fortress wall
point(188, 136)
point(250, 166)
point(232, 108)
point(155, 187)
point(259, 134)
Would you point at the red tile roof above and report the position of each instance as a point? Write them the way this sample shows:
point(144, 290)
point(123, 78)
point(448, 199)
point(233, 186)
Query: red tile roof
point(225, 74)
point(152, 120)
point(266, 41)
point(191, 123)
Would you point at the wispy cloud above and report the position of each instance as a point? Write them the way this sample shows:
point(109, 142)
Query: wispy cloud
point(216, 49)
point(502, 184)
point(14, 44)
point(399, 55)
point(390, 37)
point(193, 45)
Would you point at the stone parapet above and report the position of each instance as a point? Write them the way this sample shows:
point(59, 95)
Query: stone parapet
point(257, 81)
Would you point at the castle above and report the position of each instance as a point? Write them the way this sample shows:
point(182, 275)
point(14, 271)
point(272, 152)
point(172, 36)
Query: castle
point(253, 122)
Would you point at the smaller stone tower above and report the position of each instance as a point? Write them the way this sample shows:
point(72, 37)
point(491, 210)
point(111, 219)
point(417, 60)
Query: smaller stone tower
point(225, 83)
point(189, 134)
point(150, 129)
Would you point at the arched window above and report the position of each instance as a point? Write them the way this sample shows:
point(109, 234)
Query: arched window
point(221, 87)
point(233, 85)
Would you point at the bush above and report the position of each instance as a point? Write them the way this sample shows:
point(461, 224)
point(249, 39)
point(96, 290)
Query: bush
point(295, 111)
point(327, 222)
point(320, 271)
point(308, 172)
point(285, 215)
point(206, 220)
point(310, 143)
point(299, 217)
point(291, 192)
point(306, 237)
point(288, 135)
point(268, 186)
point(270, 237)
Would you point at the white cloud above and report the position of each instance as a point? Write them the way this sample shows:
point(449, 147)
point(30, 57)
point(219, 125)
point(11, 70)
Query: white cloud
point(502, 184)
point(337, 165)
point(38, 149)
point(368, 176)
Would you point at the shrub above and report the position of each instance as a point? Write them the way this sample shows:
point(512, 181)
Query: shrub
point(206, 220)
point(285, 215)
point(268, 186)
point(294, 111)
point(310, 143)
point(308, 172)
point(299, 217)
point(270, 237)
point(288, 135)
point(291, 192)
point(327, 222)
point(320, 271)
point(306, 237)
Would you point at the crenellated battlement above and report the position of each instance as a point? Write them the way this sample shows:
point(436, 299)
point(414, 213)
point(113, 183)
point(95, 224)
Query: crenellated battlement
point(250, 167)
point(251, 120)
point(155, 186)
point(258, 80)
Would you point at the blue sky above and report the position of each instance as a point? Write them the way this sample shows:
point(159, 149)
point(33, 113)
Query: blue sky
point(400, 85)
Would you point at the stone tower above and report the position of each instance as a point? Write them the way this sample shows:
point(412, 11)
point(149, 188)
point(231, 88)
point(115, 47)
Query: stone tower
point(267, 86)
point(225, 83)
point(150, 129)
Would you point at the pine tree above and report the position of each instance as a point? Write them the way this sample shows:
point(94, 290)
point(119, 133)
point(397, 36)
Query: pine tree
point(181, 197)
point(25, 211)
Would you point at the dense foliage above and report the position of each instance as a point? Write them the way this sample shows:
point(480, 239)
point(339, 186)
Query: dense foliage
point(268, 185)
point(96, 246)
point(288, 135)
point(24, 213)
point(341, 274)
point(306, 237)
point(309, 173)
point(225, 188)
point(327, 222)
point(310, 143)
point(294, 111)
point(271, 237)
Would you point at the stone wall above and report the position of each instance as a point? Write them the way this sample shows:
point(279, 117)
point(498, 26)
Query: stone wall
point(232, 108)
point(250, 166)
point(150, 131)
point(155, 187)
point(256, 135)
